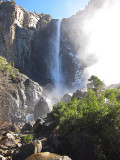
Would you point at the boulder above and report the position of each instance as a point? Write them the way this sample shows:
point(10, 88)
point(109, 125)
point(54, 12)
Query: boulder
point(47, 156)
point(41, 108)
point(9, 143)
point(24, 152)
point(36, 127)
point(43, 127)
point(78, 94)
point(27, 127)
point(8, 140)
point(66, 98)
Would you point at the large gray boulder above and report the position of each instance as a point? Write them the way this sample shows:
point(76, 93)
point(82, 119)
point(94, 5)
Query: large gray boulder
point(41, 108)
point(43, 126)
point(66, 98)
point(78, 94)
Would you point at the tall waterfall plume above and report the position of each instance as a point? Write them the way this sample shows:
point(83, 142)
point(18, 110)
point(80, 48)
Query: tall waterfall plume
point(56, 62)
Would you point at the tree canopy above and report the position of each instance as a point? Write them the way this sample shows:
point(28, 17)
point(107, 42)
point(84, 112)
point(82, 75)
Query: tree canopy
point(94, 116)
point(95, 83)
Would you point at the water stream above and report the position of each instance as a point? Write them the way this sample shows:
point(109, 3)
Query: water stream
point(56, 69)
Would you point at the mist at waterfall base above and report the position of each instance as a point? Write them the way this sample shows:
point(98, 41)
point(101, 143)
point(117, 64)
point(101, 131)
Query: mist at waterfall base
point(101, 50)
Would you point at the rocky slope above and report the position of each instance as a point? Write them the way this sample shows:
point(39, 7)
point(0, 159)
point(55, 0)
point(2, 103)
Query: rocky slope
point(19, 97)
point(20, 146)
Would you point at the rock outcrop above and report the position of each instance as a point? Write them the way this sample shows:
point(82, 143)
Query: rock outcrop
point(18, 97)
point(43, 126)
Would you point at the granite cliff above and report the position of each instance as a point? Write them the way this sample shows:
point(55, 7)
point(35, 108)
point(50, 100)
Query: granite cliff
point(18, 29)
point(28, 39)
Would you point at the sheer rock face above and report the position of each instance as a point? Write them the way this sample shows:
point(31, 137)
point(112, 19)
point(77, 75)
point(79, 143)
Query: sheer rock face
point(18, 30)
point(16, 24)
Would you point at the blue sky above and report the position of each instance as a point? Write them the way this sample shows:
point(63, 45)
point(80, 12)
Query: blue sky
point(56, 8)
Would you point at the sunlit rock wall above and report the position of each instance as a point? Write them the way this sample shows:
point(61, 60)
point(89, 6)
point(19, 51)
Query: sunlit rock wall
point(18, 29)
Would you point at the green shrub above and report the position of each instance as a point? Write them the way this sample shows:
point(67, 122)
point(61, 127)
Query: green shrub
point(88, 112)
point(28, 138)
point(8, 67)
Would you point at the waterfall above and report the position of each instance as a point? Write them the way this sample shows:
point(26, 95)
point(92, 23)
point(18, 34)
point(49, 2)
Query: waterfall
point(56, 66)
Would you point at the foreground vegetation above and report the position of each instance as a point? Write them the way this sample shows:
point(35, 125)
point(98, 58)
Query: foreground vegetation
point(27, 138)
point(8, 68)
point(96, 116)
